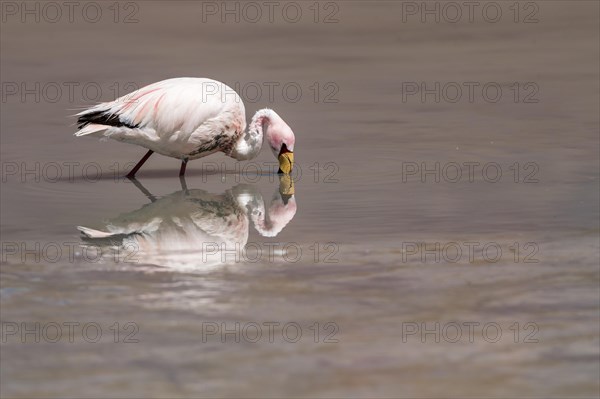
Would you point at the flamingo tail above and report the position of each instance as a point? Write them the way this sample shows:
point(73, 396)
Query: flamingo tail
point(91, 233)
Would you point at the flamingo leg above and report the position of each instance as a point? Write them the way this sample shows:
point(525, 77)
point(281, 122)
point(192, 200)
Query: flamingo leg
point(183, 184)
point(137, 167)
point(182, 169)
point(143, 189)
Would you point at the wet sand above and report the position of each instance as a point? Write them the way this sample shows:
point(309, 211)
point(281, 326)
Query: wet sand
point(372, 246)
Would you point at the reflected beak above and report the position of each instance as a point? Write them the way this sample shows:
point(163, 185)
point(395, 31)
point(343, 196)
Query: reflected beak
point(286, 187)
point(286, 162)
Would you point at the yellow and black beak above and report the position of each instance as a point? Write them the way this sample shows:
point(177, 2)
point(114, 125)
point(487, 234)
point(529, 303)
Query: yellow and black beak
point(286, 187)
point(286, 161)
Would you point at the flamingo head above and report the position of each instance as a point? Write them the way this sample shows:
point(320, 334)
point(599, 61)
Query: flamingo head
point(281, 140)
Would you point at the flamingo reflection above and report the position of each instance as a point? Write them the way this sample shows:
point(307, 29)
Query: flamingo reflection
point(195, 228)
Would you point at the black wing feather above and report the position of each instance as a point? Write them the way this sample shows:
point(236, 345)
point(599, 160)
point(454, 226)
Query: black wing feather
point(102, 118)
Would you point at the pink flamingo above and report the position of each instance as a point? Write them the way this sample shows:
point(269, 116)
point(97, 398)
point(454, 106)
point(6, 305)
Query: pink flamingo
point(189, 118)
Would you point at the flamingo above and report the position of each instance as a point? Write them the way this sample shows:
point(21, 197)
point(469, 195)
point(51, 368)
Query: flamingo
point(189, 118)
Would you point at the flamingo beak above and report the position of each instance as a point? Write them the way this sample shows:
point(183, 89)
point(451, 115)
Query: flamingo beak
point(286, 162)
point(286, 187)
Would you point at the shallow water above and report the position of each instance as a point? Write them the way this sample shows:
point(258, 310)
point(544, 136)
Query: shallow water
point(371, 276)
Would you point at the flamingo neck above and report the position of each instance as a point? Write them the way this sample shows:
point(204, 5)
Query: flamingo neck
point(270, 222)
point(250, 143)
